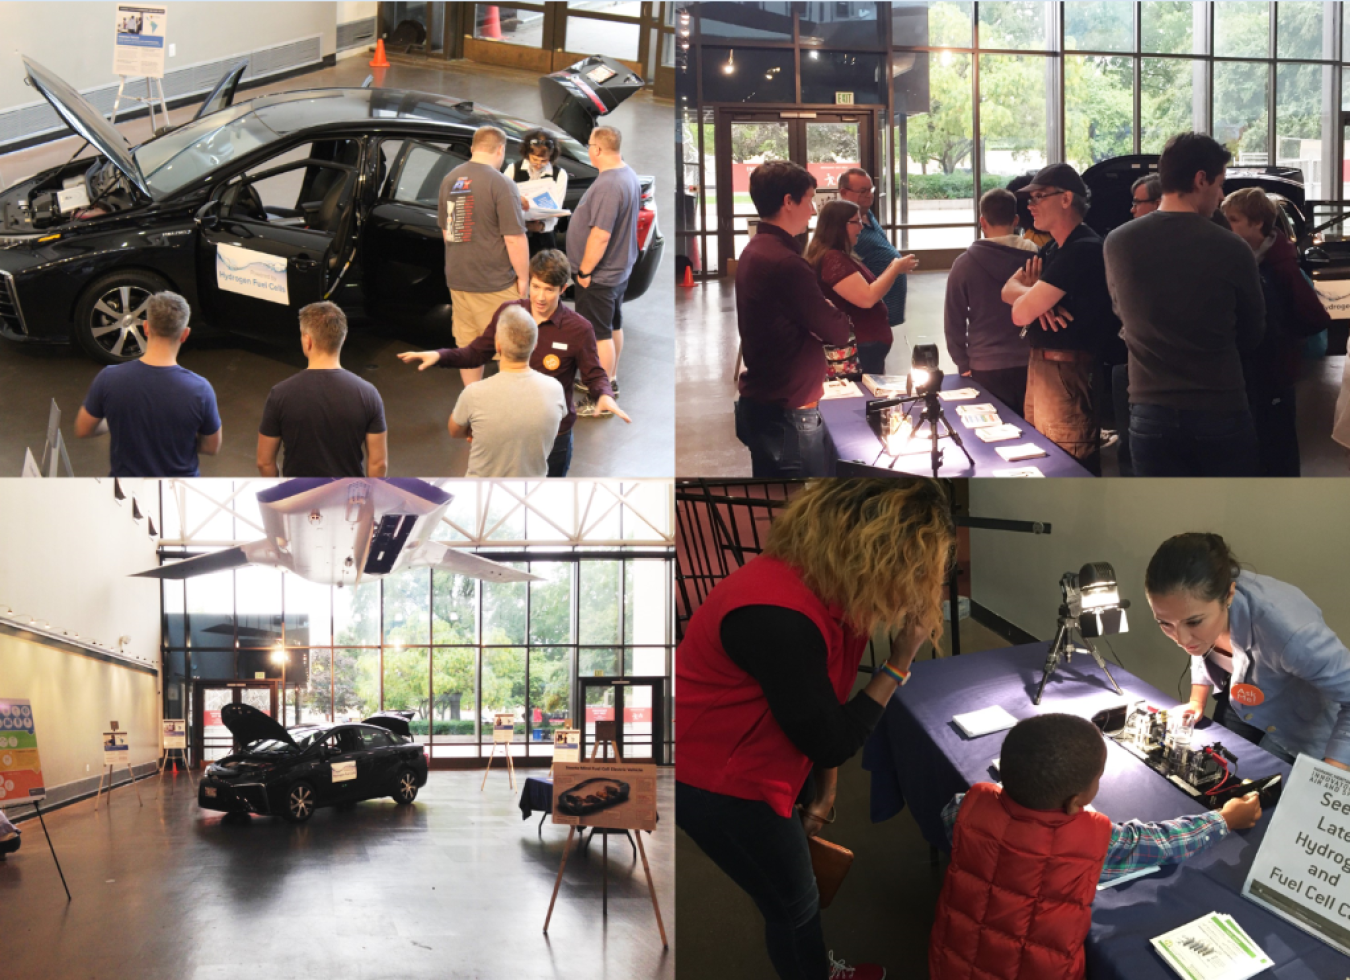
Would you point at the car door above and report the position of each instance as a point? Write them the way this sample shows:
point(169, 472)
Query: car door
point(346, 769)
point(383, 761)
point(258, 264)
point(403, 248)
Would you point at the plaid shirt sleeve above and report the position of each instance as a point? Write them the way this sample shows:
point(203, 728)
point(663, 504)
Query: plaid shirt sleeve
point(1136, 845)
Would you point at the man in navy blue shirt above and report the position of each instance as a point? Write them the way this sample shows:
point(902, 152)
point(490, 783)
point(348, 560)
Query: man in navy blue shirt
point(875, 249)
point(160, 414)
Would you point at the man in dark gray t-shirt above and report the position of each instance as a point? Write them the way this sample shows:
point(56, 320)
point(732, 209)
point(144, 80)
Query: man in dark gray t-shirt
point(1189, 296)
point(325, 418)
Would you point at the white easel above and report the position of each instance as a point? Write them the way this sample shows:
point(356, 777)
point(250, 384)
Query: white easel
point(148, 100)
point(108, 774)
point(506, 751)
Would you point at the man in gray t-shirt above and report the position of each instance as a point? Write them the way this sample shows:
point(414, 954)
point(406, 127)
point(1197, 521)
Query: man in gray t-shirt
point(513, 416)
point(487, 253)
point(602, 246)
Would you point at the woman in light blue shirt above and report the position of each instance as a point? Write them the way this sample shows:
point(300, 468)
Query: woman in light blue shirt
point(1281, 675)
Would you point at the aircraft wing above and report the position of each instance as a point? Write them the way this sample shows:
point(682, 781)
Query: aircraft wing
point(253, 553)
point(460, 562)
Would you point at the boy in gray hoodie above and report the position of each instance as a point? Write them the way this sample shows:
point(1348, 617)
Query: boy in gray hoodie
point(981, 336)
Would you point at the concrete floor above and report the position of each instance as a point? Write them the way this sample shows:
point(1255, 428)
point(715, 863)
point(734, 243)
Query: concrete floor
point(882, 914)
point(417, 404)
point(705, 317)
point(456, 886)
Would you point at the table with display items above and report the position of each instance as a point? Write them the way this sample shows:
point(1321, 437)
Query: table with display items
point(851, 439)
point(918, 758)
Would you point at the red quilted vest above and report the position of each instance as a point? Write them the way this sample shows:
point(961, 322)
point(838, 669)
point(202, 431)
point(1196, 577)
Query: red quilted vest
point(728, 741)
point(1017, 901)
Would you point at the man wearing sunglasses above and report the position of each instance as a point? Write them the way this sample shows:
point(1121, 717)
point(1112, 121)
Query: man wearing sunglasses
point(1061, 301)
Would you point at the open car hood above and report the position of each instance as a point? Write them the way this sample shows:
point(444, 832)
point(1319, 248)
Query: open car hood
point(394, 721)
point(87, 121)
point(247, 724)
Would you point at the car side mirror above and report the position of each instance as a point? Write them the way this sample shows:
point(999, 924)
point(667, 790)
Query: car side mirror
point(1316, 256)
point(208, 216)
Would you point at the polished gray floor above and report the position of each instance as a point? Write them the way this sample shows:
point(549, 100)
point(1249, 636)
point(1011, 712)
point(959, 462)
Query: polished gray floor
point(456, 886)
point(416, 404)
point(705, 316)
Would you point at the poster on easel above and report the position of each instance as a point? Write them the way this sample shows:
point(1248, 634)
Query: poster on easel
point(618, 795)
point(566, 745)
point(175, 733)
point(116, 752)
point(20, 765)
point(139, 40)
point(503, 728)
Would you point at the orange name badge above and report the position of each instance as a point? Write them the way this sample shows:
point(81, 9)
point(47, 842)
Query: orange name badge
point(551, 362)
point(1248, 694)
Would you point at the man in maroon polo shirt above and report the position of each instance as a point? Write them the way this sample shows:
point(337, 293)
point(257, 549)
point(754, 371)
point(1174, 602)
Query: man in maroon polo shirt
point(784, 321)
point(566, 347)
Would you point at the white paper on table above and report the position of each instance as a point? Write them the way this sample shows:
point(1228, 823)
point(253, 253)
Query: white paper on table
point(975, 409)
point(986, 721)
point(978, 420)
point(1212, 947)
point(998, 433)
point(840, 388)
point(1014, 454)
point(960, 394)
point(1019, 472)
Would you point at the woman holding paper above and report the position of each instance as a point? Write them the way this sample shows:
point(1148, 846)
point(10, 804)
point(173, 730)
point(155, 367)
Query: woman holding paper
point(539, 162)
point(763, 680)
point(1282, 675)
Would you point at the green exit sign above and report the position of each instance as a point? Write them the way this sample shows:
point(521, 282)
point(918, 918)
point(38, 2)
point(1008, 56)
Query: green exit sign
point(843, 98)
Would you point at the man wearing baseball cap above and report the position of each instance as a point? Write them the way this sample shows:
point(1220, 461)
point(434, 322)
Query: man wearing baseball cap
point(1061, 302)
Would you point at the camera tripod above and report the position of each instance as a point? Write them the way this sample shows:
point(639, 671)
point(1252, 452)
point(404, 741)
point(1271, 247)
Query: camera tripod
point(1068, 639)
point(938, 426)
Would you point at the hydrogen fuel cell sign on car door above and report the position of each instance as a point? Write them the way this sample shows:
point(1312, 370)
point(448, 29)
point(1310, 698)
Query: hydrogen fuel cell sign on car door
point(249, 273)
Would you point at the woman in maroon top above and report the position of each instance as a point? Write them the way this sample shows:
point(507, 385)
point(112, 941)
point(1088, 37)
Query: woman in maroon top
point(764, 675)
point(849, 285)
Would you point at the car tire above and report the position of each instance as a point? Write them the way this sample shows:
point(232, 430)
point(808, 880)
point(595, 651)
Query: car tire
point(405, 790)
point(300, 803)
point(105, 324)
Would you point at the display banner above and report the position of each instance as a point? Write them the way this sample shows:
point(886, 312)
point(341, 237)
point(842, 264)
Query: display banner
point(249, 273)
point(503, 727)
point(20, 767)
point(1302, 870)
point(138, 48)
point(601, 794)
point(175, 733)
point(566, 745)
point(343, 772)
point(116, 752)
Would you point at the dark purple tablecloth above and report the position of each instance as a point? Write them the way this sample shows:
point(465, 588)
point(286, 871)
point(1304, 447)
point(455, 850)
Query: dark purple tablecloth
point(536, 797)
point(849, 437)
point(919, 758)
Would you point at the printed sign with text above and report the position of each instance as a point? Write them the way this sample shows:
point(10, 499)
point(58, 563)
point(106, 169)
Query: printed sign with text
point(503, 727)
point(116, 752)
point(566, 745)
point(138, 45)
point(175, 733)
point(20, 767)
point(601, 794)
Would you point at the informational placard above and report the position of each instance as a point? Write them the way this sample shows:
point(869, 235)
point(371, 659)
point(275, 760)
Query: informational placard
point(606, 731)
point(249, 273)
point(20, 766)
point(140, 39)
point(1335, 296)
point(1302, 870)
point(175, 733)
point(343, 772)
point(116, 752)
point(503, 727)
point(600, 794)
point(566, 745)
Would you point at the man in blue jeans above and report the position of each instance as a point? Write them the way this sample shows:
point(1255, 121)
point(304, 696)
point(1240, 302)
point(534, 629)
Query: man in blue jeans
point(784, 320)
point(1189, 295)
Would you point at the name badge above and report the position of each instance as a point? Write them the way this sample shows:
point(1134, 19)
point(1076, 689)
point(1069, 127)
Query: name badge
point(1247, 694)
point(558, 346)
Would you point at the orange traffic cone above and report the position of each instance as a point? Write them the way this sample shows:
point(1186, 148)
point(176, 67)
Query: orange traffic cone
point(492, 25)
point(379, 61)
point(688, 276)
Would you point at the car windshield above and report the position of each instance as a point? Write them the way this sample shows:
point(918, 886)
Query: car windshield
point(178, 158)
point(515, 129)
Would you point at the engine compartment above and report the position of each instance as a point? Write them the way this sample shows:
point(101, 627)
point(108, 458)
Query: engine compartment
point(78, 191)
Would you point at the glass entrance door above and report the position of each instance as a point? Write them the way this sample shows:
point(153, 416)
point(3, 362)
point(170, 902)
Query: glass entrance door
point(636, 704)
point(211, 740)
point(825, 143)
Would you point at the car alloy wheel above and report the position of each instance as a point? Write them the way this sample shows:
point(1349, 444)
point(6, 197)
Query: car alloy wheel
point(407, 787)
point(119, 321)
point(300, 803)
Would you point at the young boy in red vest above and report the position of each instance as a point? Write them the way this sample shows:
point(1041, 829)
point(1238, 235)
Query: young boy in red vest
point(1026, 858)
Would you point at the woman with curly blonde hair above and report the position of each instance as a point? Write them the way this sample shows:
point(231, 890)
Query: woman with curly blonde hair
point(762, 683)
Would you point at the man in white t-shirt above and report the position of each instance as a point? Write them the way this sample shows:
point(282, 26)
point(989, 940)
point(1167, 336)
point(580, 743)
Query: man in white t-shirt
point(512, 417)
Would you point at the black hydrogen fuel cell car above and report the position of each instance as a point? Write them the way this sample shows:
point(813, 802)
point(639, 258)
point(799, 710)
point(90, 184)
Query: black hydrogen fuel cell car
point(251, 211)
point(291, 772)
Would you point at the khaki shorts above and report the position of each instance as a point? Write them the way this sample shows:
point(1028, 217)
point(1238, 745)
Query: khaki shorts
point(473, 312)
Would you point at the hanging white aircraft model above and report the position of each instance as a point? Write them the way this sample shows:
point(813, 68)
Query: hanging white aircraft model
point(342, 532)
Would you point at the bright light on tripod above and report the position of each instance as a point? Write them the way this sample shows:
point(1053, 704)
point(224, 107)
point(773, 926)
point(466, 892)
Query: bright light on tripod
point(919, 377)
point(1102, 610)
point(924, 376)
